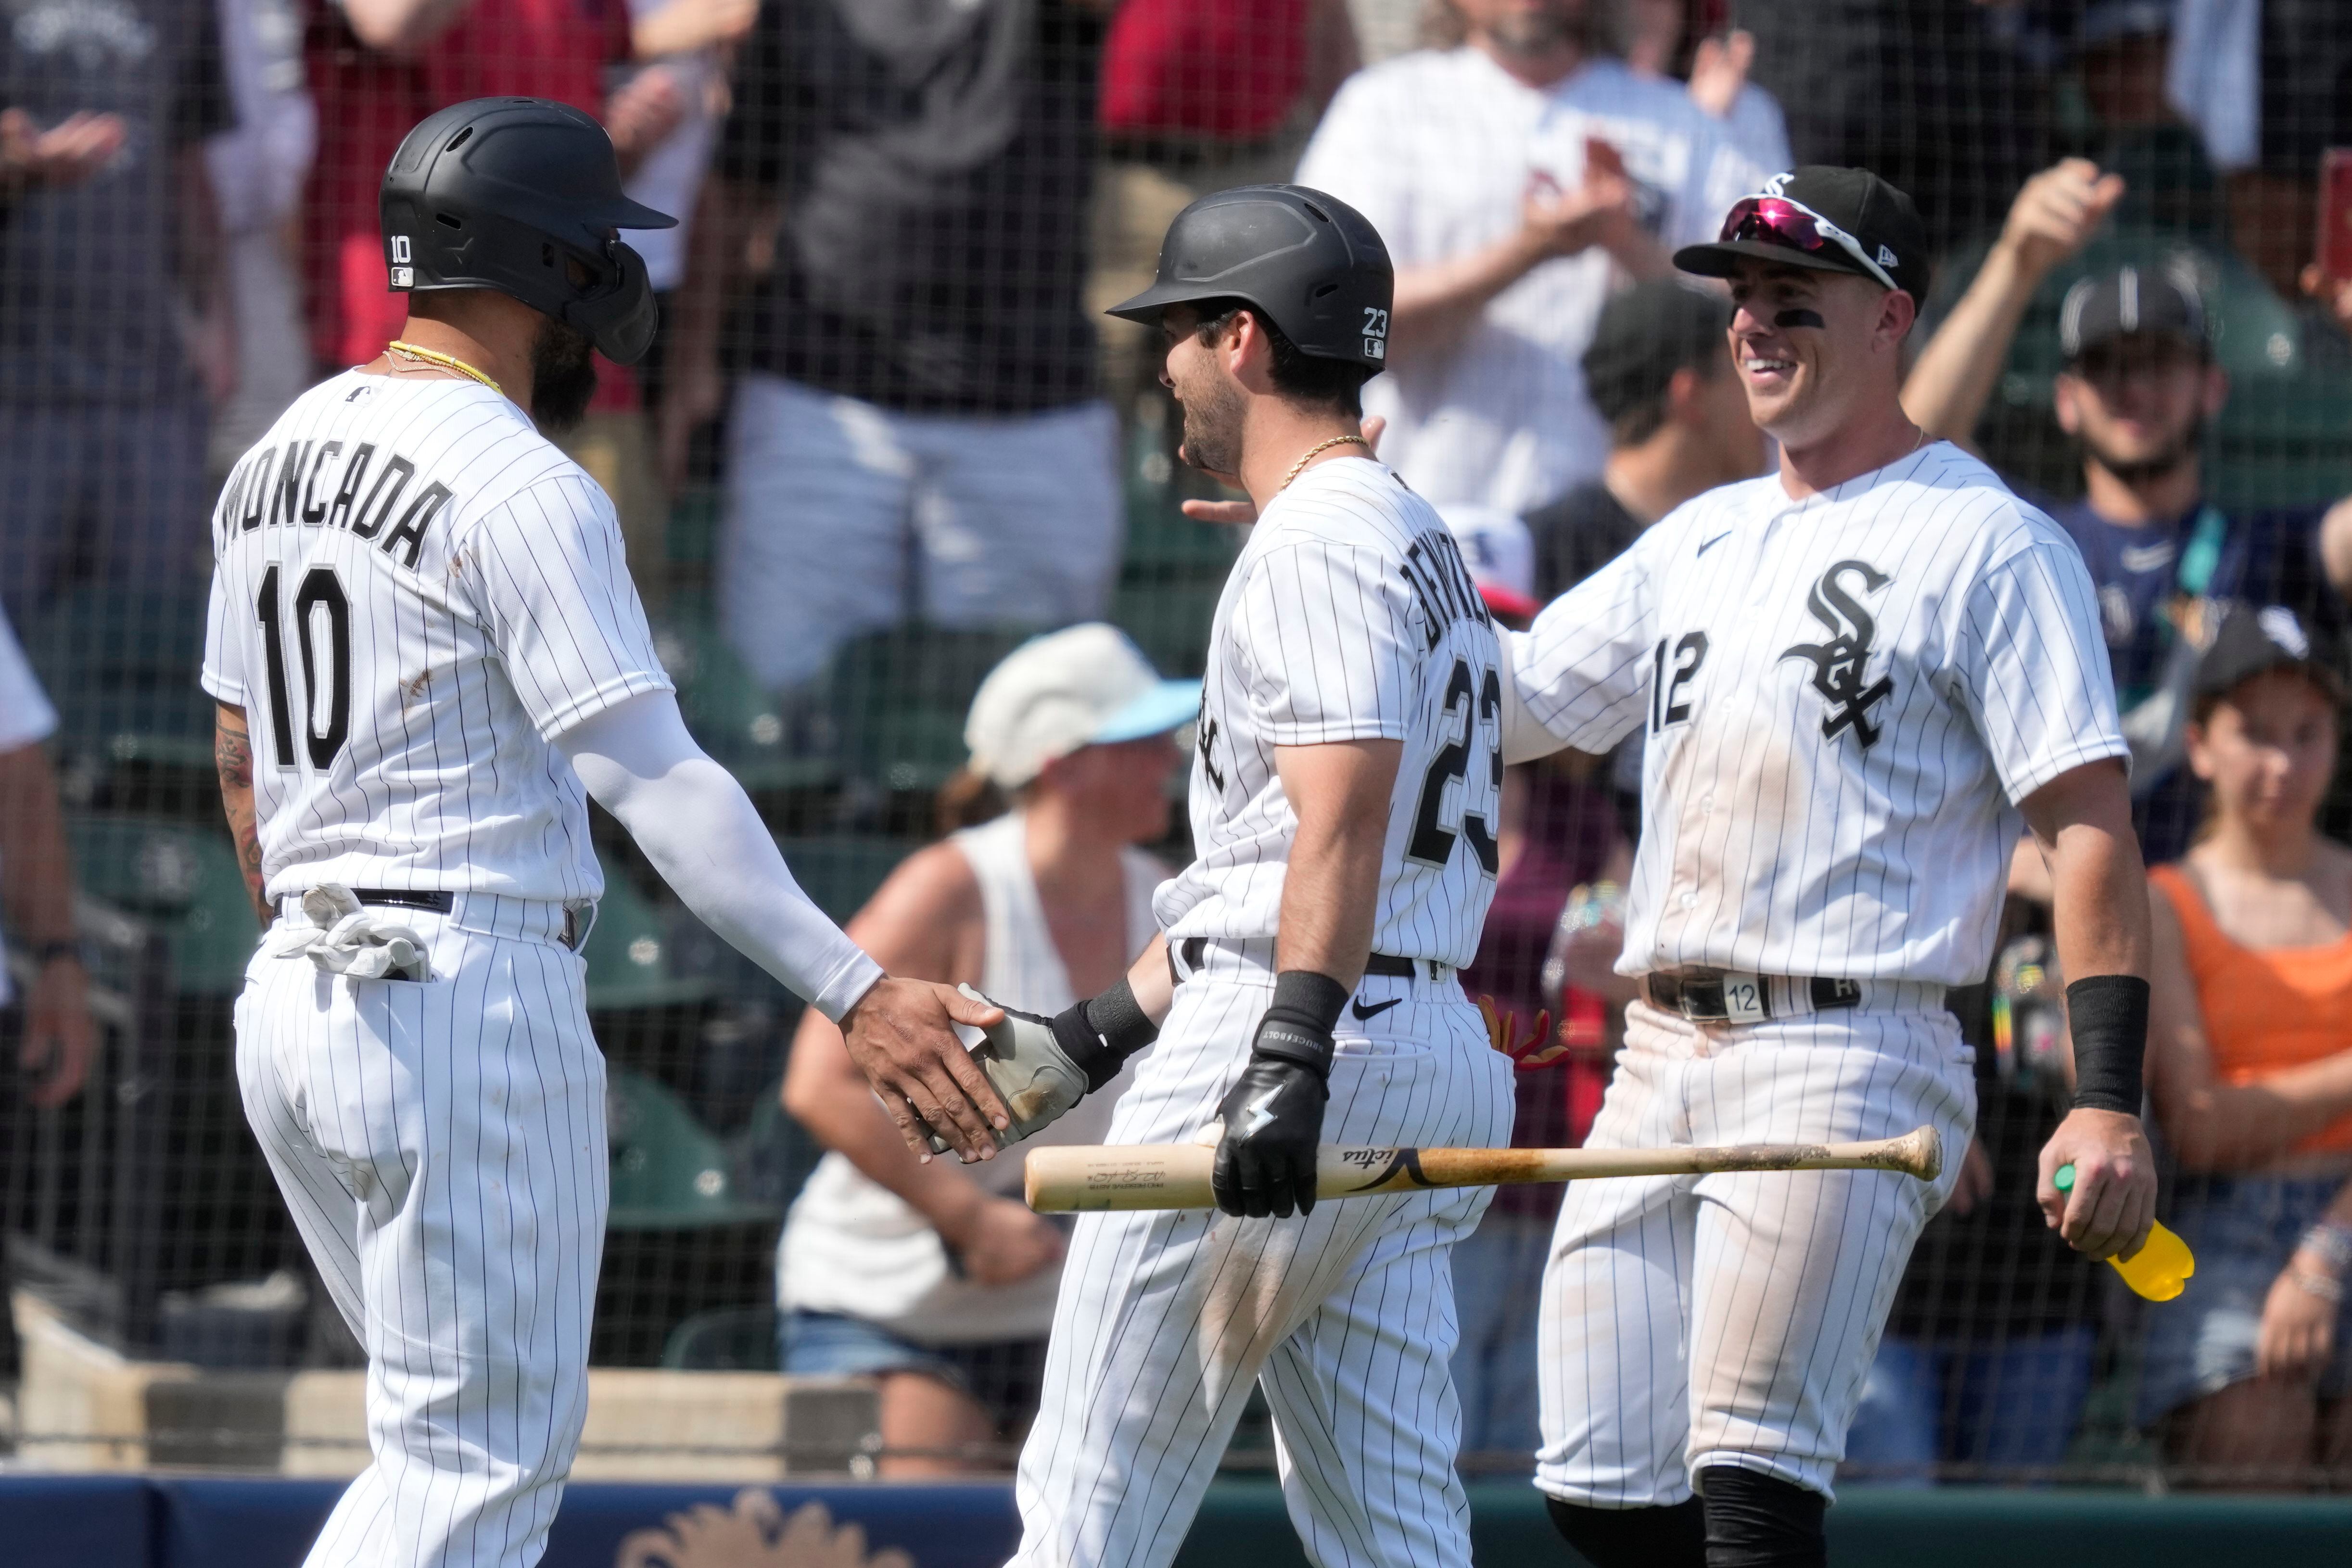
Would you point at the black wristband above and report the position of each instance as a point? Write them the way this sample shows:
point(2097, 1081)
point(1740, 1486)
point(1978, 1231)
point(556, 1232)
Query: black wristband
point(1117, 1024)
point(2107, 1016)
point(48, 953)
point(1297, 1027)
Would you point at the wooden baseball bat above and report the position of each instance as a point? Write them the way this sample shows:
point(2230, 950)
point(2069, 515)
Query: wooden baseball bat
point(1074, 1179)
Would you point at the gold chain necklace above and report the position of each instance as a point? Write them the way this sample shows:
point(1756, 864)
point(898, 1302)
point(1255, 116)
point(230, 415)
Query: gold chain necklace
point(447, 362)
point(1312, 452)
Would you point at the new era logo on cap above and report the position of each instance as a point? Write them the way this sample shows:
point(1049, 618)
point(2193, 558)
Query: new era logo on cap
point(2279, 624)
point(1886, 257)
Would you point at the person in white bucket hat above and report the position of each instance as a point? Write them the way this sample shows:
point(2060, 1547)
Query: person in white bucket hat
point(936, 1278)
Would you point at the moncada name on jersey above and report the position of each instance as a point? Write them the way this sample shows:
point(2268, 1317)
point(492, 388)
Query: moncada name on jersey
point(303, 483)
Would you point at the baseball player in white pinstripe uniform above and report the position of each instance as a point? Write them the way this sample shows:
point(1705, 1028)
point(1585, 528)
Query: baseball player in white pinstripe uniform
point(424, 642)
point(1344, 800)
point(1859, 680)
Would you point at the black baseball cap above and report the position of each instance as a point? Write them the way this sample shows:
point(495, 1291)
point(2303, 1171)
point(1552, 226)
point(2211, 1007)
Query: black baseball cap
point(2110, 305)
point(1831, 220)
point(1645, 334)
point(2254, 639)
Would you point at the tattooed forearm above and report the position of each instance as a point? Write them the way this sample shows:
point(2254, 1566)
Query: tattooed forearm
point(233, 759)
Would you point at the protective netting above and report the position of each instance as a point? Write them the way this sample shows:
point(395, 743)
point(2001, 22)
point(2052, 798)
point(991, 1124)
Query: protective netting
point(887, 434)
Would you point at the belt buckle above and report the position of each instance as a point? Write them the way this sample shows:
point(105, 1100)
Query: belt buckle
point(1731, 996)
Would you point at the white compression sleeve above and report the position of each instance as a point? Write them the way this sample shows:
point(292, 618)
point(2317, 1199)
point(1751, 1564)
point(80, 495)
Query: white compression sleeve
point(698, 827)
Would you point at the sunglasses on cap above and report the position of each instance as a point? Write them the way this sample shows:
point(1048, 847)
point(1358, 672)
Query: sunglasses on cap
point(1777, 220)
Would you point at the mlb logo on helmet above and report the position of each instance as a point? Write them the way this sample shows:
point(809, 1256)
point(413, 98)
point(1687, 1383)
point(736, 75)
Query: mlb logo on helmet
point(1376, 333)
point(403, 275)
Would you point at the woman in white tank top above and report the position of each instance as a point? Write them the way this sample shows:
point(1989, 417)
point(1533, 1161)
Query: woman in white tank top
point(936, 1277)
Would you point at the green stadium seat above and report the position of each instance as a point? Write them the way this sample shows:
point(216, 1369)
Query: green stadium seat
point(182, 879)
point(742, 725)
point(898, 699)
point(841, 871)
point(628, 957)
point(723, 1339)
point(1168, 622)
point(120, 669)
point(669, 1172)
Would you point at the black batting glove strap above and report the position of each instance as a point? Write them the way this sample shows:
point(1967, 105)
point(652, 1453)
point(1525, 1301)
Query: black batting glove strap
point(2107, 1016)
point(1297, 1028)
point(1274, 1120)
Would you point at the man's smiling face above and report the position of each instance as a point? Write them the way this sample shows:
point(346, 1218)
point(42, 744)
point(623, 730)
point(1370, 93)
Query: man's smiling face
point(1801, 340)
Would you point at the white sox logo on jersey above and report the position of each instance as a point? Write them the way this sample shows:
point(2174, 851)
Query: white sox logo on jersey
point(1838, 663)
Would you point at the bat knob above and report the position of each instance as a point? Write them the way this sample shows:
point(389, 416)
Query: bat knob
point(1922, 1151)
point(1212, 1135)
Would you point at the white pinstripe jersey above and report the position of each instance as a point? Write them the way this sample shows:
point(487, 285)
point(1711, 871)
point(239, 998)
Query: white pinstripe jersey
point(1348, 617)
point(1844, 697)
point(414, 592)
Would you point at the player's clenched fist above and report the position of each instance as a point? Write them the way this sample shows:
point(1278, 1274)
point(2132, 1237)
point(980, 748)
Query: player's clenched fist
point(2113, 1202)
point(1273, 1112)
point(899, 1036)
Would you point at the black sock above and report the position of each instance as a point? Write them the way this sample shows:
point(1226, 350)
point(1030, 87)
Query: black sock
point(1756, 1520)
point(1632, 1537)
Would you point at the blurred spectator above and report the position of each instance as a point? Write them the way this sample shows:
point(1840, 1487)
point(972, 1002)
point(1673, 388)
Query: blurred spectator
point(2246, 1376)
point(378, 66)
point(917, 352)
point(684, 44)
point(1557, 829)
point(2137, 392)
point(2268, 87)
point(1659, 373)
point(114, 324)
point(1198, 96)
point(47, 1042)
point(258, 169)
point(1930, 94)
point(936, 1277)
point(1718, 78)
point(1515, 176)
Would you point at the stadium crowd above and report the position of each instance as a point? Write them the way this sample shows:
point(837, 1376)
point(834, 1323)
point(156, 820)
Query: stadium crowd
point(885, 435)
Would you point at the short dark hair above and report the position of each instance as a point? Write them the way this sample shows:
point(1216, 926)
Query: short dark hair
point(1643, 335)
point(1299, 376)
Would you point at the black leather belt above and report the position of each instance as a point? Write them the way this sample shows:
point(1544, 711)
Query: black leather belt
point(1194, 951)
point(441, 901)
point(1728, 998)
point(438, 903)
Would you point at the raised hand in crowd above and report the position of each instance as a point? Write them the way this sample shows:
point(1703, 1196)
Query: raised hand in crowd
point(67, 154)
point(2054, 216)
point(1719, 69)
point(642, 113)
point(2335, 293)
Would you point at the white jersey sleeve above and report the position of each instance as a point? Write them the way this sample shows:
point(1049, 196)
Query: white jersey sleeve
point(1355, 155)
point(26, 715)
point(547, 575)
point(1582, 671)
point(1323, 625)
point(2032, 669)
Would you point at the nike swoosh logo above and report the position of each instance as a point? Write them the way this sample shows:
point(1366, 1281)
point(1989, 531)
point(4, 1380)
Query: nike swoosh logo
point(1261, 1114)
point(1713, 543)
point(1376, 1009)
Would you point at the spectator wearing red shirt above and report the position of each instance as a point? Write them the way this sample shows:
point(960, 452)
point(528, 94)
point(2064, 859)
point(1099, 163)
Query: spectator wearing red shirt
point(1198, 96)
point(378, 66)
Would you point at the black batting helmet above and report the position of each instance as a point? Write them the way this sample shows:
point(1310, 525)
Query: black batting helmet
point(499, 192)
point(1314, 265)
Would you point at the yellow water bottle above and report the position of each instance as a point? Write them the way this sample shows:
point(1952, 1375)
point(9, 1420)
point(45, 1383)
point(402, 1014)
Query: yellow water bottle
point(2158, 1270)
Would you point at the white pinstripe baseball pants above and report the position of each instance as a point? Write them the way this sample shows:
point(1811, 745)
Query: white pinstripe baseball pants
point(1730, 1319)
point(1344, 1317)
point(441, 1146)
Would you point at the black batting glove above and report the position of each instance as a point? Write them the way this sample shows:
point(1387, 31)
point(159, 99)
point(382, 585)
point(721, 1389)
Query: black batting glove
point(1273, 1112)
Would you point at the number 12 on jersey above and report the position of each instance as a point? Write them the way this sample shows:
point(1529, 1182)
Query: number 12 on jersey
point(1677, 661)
point(321, 589)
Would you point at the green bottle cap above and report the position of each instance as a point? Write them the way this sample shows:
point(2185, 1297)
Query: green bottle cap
point(2064, 1178)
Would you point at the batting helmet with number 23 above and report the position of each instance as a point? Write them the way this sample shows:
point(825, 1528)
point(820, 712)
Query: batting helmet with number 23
point(1314, 265)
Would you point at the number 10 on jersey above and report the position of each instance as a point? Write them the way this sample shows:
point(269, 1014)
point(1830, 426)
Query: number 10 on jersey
point(321, 589)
